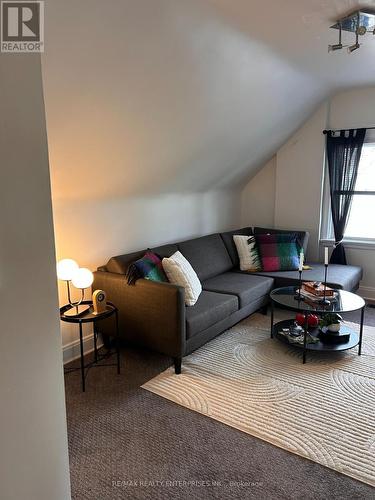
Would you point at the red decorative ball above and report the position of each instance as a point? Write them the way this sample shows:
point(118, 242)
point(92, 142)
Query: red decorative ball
point(312, 320)
point(300, 318)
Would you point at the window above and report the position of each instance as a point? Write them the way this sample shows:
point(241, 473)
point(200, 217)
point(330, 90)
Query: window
point(361, 223)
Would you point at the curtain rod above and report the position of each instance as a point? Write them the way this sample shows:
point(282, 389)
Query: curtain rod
point(338, 129)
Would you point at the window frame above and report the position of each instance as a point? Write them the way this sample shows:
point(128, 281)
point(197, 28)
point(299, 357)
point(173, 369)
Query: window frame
point(326, 224)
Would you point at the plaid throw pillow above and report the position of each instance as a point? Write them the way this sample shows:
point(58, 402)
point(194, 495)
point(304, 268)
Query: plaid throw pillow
point(148, 267)
point(278, 252)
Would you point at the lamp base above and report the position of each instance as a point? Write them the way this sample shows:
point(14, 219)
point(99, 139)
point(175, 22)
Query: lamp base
point(76, 310)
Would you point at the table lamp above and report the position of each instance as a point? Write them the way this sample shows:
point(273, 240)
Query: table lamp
point(80, 277)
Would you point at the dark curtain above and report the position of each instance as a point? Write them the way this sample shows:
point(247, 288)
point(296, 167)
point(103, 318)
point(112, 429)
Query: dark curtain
point(344, 150)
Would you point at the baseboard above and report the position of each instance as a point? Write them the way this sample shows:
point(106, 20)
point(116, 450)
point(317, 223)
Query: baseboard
point(367, 292)
point(72, 351)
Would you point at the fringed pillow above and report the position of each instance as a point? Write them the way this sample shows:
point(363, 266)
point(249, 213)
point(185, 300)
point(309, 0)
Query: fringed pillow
point(149, 267)
point(247, 253)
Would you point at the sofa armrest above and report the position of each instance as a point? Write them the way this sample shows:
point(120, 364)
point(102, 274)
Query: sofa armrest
point(151, 314)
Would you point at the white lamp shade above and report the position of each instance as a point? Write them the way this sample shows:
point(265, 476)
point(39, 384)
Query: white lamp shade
point(66, 268)
point(82, 278)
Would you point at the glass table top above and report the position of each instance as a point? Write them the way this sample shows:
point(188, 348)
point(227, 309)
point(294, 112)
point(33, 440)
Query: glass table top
point(345, 301)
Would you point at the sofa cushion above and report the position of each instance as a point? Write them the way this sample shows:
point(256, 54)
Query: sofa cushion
point(165, 250)
point(207, 255)
point(230, 245)
point(209, 309)
point(302, 236)
point(343, 277)
point(120, 263)
point(247, 287)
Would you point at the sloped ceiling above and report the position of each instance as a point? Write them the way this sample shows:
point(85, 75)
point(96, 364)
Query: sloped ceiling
point(155, 96)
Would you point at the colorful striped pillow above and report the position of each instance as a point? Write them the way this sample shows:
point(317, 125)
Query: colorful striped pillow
point(278, 252)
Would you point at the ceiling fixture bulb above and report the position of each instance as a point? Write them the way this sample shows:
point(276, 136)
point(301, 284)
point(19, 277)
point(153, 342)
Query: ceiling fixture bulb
point(354, 47)
point(361, 30)
point(336, 46)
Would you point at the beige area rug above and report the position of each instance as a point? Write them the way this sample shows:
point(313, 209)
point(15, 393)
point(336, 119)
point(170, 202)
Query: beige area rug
point(323, 410)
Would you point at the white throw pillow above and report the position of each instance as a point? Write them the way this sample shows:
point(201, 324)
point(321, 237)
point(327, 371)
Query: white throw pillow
point(247, 253)
point(179, 272)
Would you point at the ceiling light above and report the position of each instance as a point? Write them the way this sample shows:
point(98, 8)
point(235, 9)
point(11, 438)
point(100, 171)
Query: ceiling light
point(358, 22)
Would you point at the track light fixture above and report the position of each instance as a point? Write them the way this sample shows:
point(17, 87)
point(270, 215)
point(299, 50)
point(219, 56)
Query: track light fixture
point(359, 22)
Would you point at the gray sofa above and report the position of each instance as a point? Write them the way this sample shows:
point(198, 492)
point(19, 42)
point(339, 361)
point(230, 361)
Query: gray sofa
point(153, 314)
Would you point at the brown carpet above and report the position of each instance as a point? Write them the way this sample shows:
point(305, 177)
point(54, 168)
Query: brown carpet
point(126, 442)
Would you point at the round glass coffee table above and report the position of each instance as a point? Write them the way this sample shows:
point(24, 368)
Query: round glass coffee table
point(345, 302)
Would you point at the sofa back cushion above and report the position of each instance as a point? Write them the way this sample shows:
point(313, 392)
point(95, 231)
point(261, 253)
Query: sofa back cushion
point(230, 245)
point(165, 250)
point(207, 255)
point(302, 236)
point(120, 263)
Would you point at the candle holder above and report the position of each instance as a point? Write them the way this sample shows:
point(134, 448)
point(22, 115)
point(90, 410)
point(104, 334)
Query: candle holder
point(298, 296)
point(324, 300)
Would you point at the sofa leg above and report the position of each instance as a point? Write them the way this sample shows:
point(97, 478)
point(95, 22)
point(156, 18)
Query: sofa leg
point(264, 310)
point(177, 365)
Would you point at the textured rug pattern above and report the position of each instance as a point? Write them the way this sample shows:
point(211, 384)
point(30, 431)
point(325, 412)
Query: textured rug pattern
point(323, 410)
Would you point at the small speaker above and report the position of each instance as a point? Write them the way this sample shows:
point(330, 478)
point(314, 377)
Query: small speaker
point(99, 301)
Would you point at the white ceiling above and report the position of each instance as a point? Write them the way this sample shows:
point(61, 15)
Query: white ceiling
point(154, 96)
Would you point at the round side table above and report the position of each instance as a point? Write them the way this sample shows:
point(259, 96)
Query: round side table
point(90, 317)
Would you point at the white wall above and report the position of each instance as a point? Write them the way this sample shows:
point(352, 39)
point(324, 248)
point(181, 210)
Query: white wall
point(297, 194)
point(34, 458)
point(299, 179)
point(352, 108)
point(258, 197)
